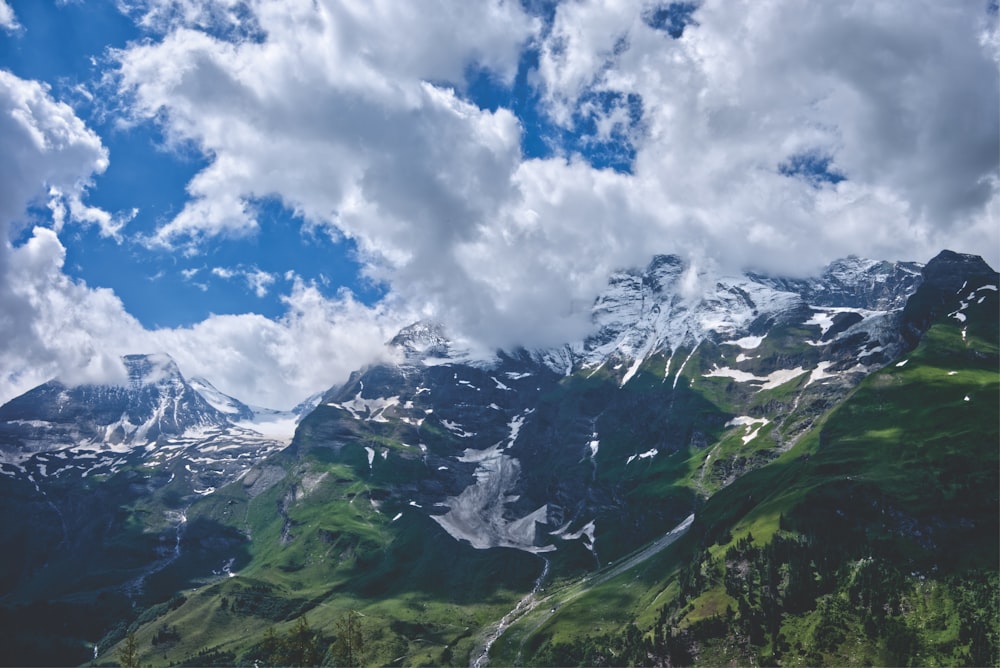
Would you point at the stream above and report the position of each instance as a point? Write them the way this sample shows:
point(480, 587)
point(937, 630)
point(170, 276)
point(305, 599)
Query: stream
point(134, 587)
point(523, 606)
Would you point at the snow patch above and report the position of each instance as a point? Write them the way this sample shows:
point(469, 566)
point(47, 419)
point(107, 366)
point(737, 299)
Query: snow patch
point(456, 429)
point(514, 426)
point(369, 410)
point(747, 342)
point(819, 373)
point(477, 514)
point(746, 421)
point(771, 381)
point(588, 530)
point(500, 386)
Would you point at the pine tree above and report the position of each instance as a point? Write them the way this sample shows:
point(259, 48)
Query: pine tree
point(349, 647)
point(128, 653)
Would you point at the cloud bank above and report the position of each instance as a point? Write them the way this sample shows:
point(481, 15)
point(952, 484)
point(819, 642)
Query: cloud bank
point(772, 135)
point(769, 135)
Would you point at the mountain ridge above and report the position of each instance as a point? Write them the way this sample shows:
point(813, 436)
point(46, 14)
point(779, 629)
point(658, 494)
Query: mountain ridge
point(517, 470)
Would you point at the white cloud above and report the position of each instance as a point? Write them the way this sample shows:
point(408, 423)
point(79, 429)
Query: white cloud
point(343, 111)
point(329, 107)
point(278, 363)
point(54, 326)
point(900, 96)
point(49, 152)
point(8, 20)
point(257, 280)
point(223, 272)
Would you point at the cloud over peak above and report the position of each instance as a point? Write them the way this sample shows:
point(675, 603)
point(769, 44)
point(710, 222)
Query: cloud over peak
point(770, 135)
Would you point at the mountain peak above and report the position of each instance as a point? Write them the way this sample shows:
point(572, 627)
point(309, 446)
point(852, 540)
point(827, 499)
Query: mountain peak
point(948, 269)
point(151, 369)
point(422, 337)
point(949, 280)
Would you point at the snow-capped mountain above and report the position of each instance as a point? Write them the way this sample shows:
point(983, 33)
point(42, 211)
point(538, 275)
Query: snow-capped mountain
point(232, 408)
point(667, 308)
point(856, 282)
point(415, 469)
point(268, 421)
point(538, 450)
point(155, 418)
point(155, 402)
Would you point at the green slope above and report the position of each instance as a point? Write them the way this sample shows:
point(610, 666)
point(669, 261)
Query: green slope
point(873, 540)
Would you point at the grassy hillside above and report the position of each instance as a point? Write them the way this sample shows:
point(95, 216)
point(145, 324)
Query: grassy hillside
point(873, 540)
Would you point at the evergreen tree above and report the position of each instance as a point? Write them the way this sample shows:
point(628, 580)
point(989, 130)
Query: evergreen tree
point(128, 653)
point(349, 647)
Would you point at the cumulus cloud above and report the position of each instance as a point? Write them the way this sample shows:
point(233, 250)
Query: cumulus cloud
point(278, 363)
point(50, 156)
point(772, 135)
point(352, 115)
point(900, 98)
point(55, 326)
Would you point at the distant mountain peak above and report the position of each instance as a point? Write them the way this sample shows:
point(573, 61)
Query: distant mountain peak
point(422, 337)
point(150, 368)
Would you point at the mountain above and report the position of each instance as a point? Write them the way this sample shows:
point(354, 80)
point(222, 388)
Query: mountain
point(232, 408)
point(96, 481)
point(473, 505)
point(155, 403)
point(268, 421)
point(537, 449)
point(156, 418)
point(872, 541)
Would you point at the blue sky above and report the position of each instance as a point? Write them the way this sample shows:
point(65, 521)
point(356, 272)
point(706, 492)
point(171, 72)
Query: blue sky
point(65, 45)
point(266, 189)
